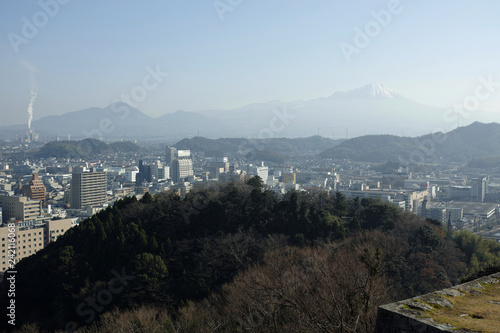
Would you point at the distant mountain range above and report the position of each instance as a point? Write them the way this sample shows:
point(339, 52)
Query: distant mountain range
point(118, 120)
point(464, 144)
point(460, 145)
point(476, 144)
point(372, 109)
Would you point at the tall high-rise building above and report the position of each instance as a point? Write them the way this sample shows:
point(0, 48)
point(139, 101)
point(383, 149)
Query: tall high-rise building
point(35, 189)
point(131, 174)
point(479, 186)
point(290, 178)
point(145, 173)
point(170, 155)
point(182, 167)
point(160, 171)
point(164, 172)
point(88, 189)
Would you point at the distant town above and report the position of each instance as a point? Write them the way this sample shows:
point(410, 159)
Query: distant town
point(45, 197)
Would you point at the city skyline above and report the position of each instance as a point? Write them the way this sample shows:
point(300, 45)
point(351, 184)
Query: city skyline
point(222, 55)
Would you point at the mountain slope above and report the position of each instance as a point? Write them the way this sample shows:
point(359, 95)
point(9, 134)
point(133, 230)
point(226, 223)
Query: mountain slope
point(374, 90)
point(115, 121)
point(371, 109)
point(460, 145)
point(241, 146)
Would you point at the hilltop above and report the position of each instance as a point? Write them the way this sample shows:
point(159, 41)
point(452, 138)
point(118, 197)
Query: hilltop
point(84, 149)
point(234, 257)
point(460, 145)
point(241, 146)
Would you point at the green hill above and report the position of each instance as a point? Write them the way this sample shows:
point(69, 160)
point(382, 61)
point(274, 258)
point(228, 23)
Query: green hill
point(241, 146)
point(222, 255)
point(485, 162)
point(459, 145)
point(83, 149)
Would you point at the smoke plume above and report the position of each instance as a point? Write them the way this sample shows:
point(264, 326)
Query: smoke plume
point(34, 92)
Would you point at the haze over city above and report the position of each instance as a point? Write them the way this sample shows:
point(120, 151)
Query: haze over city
point(214, 55)
point(249, 166)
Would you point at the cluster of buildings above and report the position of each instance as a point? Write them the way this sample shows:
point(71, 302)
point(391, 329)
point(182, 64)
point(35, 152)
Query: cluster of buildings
point(44, 198)
point(457, 200)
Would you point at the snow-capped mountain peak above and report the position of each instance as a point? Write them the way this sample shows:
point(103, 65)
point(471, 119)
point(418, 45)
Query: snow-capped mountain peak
point(372, 91)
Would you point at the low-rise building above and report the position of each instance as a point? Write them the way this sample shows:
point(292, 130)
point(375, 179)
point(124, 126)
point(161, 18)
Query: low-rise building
point(19, 208)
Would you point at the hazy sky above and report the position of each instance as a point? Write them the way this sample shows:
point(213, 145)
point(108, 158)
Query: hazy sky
point(88, 53)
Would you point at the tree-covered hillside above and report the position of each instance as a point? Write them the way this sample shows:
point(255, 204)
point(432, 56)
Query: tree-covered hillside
point(241, 146)
point(459, 145)
point(84, 149)
point(234, 258)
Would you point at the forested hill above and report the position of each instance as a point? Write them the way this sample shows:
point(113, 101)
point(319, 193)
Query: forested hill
point(461, 145)
point(235, 258)
point(242, 146)
point(84, 148)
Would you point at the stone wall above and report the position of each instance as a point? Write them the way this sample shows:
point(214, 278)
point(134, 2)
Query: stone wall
point(414, 315)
